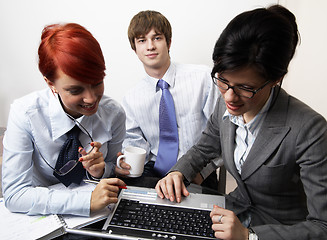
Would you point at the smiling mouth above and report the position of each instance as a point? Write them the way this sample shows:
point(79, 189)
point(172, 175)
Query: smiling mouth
point(232, 106)
point(88, 107)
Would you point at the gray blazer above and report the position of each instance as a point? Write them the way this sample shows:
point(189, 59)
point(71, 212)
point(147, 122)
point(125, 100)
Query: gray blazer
point(284, 178)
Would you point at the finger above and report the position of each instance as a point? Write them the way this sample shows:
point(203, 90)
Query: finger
point(121, 172)
point(92, 156)
point(218, 219)
point(158, 190)
point(114, 181)
point(163, 187)
point(96, 145)
point(170, 189)
point(219, 231)
point(184, 190)
point(124, 165)
point(86, 157)
point(216, 210)
point(178, 188)
point(94, 166)
point(90, 160)
point(82, 151)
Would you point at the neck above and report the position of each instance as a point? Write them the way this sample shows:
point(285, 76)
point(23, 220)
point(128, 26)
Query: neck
point(159, 72)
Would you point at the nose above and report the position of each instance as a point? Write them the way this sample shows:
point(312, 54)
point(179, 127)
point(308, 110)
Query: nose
point(230, 96)
point(89, 96)
point(150, 45)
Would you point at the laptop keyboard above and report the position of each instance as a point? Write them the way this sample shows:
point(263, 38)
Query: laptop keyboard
point(163, 221)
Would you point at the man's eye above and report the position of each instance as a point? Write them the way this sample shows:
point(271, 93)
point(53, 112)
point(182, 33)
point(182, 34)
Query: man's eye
point(140, 40)
point(158, 38)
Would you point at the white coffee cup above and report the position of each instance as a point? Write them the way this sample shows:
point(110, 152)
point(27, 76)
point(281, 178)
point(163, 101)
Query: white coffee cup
point(135, 157)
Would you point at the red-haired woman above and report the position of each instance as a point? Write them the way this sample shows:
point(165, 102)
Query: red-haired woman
point(48, 130)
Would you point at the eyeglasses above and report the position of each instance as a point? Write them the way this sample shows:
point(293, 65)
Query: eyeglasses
point(238, 90)
point(71, 164)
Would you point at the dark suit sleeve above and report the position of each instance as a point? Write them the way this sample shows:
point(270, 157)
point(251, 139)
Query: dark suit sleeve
point(207, 148)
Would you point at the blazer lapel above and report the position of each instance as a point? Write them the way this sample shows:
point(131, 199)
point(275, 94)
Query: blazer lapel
point(272, 132)
point(265, 144)
point(228, 141)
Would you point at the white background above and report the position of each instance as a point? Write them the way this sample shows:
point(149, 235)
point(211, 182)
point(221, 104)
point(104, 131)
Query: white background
point(196, 26)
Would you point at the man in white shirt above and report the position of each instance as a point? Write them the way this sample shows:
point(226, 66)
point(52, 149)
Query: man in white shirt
point(191, 87)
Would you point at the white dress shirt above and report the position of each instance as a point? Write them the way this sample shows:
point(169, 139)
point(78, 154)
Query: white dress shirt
point(25, 175)
point(194, 96)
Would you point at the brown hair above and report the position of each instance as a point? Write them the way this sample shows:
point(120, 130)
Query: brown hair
point(144, 21)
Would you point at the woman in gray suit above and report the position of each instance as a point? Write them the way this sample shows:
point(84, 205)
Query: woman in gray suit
point(274, 145)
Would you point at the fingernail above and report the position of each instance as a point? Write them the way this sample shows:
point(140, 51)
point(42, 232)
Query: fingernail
point(92, 144)
point(81, 159)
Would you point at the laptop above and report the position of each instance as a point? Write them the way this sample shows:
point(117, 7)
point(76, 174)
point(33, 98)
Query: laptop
point(141, 214)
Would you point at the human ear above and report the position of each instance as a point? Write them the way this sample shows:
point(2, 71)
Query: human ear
point(278, 82)
point(169, 45)
point(50, 85)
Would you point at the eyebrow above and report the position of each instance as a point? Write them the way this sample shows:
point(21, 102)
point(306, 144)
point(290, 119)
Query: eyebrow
point(154, 35)
point(238, 85)
point(72, 87)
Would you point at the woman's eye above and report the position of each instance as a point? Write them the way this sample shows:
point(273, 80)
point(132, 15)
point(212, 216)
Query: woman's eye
point(223, 80)
point(75, 91)
point(244, 87)
point(98, 84)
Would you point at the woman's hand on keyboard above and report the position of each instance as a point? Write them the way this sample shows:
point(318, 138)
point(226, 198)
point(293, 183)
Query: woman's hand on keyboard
point(172, 187)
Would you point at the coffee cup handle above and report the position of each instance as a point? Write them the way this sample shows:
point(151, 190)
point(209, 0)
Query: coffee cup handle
point(118, 161)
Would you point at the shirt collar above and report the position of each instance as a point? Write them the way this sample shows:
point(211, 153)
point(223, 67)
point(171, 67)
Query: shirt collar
point(60, 122)
point(256, 121)
point(169, 77)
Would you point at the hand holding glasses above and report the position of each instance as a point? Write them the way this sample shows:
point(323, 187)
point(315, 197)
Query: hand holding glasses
point(71, 164)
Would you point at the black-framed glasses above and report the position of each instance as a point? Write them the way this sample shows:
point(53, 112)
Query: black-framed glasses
point(71, 164)
point(238, 90)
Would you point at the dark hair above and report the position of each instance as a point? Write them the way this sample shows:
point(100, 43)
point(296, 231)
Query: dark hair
point(264, 39)
point(73, 50)
point(142, 23)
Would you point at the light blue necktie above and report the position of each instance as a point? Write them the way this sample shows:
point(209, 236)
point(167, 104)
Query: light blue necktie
point(168, 138)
